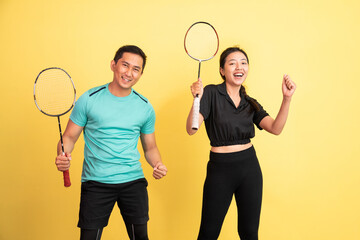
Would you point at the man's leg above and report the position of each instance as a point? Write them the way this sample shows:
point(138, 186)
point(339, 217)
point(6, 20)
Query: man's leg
point(137, 231)
point(134, 207)
point(97, 202)
point(90, 234)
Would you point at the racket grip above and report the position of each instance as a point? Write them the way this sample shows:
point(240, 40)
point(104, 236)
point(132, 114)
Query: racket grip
point(195, 116)
point(66, 175)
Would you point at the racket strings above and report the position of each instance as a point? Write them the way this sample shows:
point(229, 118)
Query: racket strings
point(54, 92)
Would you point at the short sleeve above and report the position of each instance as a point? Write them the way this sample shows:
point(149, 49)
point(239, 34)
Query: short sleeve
point(79, 114)
point(149, 125)
point(259, 115)
point(205, 102)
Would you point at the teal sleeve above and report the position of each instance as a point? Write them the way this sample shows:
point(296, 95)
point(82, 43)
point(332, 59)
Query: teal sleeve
point(149, 125)
point(79, 114)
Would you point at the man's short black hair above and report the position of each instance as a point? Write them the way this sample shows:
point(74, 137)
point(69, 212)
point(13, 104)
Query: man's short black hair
point(130, 49)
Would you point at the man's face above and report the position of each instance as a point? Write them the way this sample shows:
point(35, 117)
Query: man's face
point(127, 70)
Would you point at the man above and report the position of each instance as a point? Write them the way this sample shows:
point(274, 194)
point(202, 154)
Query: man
point(113, 117)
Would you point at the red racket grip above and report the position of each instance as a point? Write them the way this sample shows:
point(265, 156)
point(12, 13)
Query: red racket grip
point(66, 175)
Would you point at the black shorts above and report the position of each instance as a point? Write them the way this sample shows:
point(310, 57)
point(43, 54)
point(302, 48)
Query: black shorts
point(98, 200)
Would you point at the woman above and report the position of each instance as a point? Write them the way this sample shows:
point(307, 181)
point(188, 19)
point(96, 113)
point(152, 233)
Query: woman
point(233, 169)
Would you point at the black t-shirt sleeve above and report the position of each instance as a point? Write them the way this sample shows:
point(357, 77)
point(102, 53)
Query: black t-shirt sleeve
point(259, 115)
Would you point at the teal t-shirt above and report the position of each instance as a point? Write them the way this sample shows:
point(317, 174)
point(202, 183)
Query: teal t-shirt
point(112, 127)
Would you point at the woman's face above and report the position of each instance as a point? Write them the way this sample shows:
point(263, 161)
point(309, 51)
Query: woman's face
point(235, 69)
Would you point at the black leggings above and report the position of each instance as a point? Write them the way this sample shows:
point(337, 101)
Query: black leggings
point(231, 174)
point(135, 232)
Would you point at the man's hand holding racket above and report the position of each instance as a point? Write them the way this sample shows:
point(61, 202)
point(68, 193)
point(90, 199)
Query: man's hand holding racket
point(62, 161)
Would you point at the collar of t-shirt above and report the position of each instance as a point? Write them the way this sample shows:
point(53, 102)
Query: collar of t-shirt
point(222, 90)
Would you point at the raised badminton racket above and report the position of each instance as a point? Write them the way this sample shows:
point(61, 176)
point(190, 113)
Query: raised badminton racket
point(201, 43)
point(54, 95)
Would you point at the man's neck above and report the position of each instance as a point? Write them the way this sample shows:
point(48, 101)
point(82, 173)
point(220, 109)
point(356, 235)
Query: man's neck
point(118, 91)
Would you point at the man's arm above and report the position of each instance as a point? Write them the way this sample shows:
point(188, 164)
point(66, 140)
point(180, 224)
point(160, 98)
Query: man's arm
point(70, 136)
point(152, 155)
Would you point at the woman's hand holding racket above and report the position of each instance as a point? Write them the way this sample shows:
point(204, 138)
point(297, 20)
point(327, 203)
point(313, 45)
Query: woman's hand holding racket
point(288, 87)
point(197, 89)
point(195, 119)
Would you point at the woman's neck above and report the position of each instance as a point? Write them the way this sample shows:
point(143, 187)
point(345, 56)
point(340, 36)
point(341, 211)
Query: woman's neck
point(233, 91)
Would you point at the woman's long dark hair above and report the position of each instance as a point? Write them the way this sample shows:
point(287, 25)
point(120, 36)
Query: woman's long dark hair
point(223, 57)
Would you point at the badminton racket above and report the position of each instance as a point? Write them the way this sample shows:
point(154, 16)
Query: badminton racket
point(54, 95)
point(201, 43)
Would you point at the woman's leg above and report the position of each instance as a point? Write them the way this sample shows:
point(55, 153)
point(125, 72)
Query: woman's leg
point(248, 198)
point(217, 197)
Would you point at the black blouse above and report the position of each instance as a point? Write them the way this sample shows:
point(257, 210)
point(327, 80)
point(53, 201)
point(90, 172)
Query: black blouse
point(225, 124)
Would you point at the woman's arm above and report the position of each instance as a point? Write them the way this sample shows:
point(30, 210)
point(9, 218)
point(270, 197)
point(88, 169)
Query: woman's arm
point(275, 126)
point(196, 89)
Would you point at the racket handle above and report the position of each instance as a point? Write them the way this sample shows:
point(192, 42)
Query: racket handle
point(66, 175)
point(195, 116)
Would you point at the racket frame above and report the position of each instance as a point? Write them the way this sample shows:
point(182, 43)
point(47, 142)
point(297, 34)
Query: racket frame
point(66, 174)
point(196, 103)
point(217, 47)
point(48, 114)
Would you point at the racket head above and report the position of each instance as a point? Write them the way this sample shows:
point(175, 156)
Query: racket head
point(54, 92)
point(201, 41)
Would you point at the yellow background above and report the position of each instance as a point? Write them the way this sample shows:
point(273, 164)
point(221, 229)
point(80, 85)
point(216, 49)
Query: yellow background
point(311, 171)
